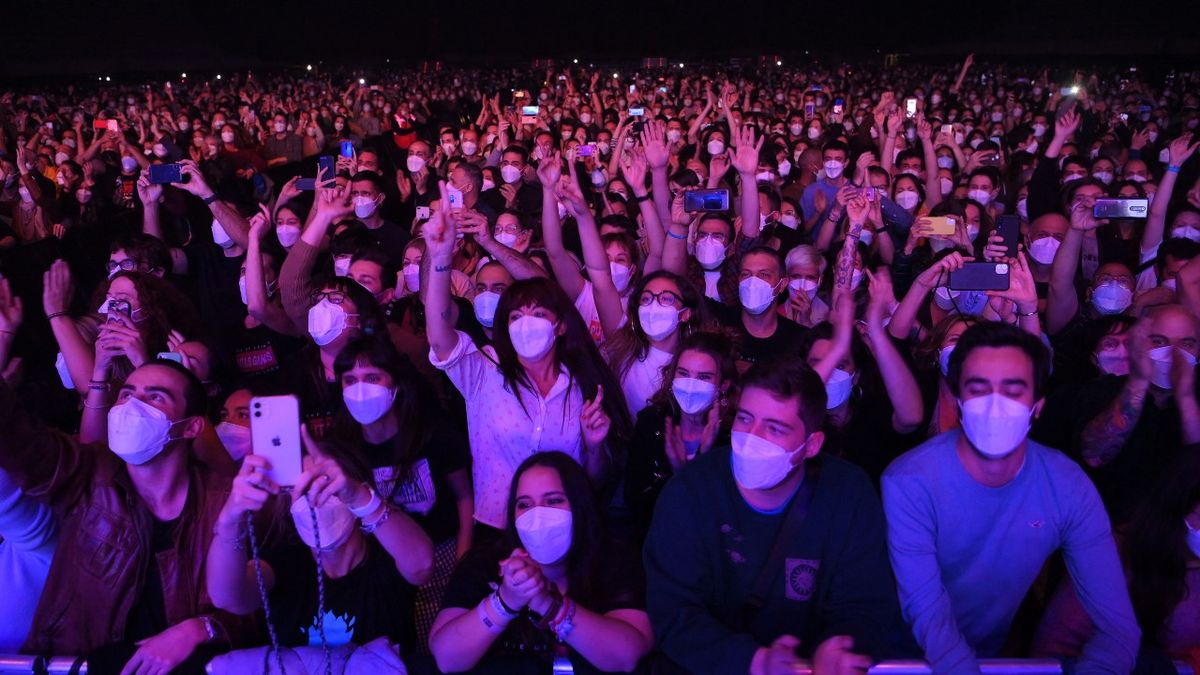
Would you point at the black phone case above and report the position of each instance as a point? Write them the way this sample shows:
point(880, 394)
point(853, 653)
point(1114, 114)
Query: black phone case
point(706, 200)
point(1009, 228)
point(980, 276)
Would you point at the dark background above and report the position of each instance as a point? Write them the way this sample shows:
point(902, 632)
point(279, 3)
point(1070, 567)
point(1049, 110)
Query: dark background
point(40, 39)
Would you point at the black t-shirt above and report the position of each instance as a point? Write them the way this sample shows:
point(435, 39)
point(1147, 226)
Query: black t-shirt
point(214, 278)
point(391, 239)
point(868, 438)
point(148, 617)
point(785, 341)
point(371, 601)
point(261, 352)
point(620, 584)
point(423, 491)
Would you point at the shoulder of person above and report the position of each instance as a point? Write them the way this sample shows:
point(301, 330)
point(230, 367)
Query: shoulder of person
point(917, 462)
point(849, 480)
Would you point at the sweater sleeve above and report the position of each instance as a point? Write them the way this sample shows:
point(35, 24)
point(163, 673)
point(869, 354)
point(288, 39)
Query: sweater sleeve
point(295, 282)
point(679, 585)
point(1091, 557)
point(25, 523)
point(912, 542)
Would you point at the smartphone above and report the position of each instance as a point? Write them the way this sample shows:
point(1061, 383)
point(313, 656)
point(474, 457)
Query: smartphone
point(980, 276)
point(162, 174)
point(1008, 227)
point(948, 129)
point(455, 197)
point(633, 88)
point(529, 114)
point(585, 150)
point(100, 125)
point(809, 110)
point(347, 148)
point(306, 184)
point(326, 167)
point(114, 126)
point(637, 112)
point(423, 213)
point(941, 225)
point(1069, 91)
point(1121, 208)
point(706, 200)
point(869, 193)
point(1124, 117)
point(171, 356)
point(275, 434)
point(117, 309)
point(837, 107)
point(910, 108)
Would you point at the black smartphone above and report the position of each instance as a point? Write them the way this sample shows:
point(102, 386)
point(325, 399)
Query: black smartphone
point(1009, 229)
point(326, 167)
point(980, 276)
point(162, 174)
point(706, 200)
point(306, 184)
point(1121, 208)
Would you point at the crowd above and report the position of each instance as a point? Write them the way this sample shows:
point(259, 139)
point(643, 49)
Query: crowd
point(704, 370)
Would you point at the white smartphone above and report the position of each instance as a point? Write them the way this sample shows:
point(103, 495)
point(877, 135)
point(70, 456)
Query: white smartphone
point(275, 434)
point(455, 197)
point(423, 213)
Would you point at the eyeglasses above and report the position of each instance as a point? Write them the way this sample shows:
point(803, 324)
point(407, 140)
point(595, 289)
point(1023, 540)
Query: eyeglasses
point(664, 299)
point(509, 229)
point(335, 297)
point(127, 265)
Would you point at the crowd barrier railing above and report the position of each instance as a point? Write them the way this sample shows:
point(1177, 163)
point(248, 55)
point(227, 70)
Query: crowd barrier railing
point(19, 664)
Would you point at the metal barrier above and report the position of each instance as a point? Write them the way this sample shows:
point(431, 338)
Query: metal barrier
point(16, 664)
point(987, 667)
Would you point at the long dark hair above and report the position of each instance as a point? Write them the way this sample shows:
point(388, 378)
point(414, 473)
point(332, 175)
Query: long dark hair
point(1156, 549)
point(630, 344)
point(575, 349)
point(716, 345)
point(163, 308)
point(588, 532)
point(727, 284)
point(413, 407)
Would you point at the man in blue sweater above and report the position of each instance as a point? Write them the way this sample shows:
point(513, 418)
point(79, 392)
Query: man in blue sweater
point(974, 514)
point(827, 594)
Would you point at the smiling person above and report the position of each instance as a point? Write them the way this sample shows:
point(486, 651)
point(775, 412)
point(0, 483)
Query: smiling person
point(984, 502)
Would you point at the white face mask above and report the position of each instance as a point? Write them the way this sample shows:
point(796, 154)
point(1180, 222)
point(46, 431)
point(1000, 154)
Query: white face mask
point(838, 388)
point(227, 136)
point(789, 221)
point(341, 265)
point(1111, 297)
point(710, 253)
point(1186, 232)
point(803, 286)
point(469, 147)
point(1023, 208)
point(756, 295)
point(944, 359)
point(945, 162)
point(621, 274)
point(585, 118)
point(657, 322)
point(981, 196)
point(367, 402)
point(1043, 250)
point(545, 533)
point(693, 395)
point(485, 307)
point(129, 164)
point(326, 321)
point(1103, 176)
point(908, 199)
point(814, 133)
point(288, 235)
point(335, 523)
point(785, 167)
point(1039, 129)
point(488, 184)
point(716, 146)
point(1114, 361)
point(414, 163)
point(758, 464)
point(236, 439)
point(673, 135)
point(532, 336)
point(1162, 359)
point(280, 127)
point(995, 424)
point(364, 206)
point(833, 169)
point(137, 431)
point(220, 236)
point(946, 185)
point(510, 173)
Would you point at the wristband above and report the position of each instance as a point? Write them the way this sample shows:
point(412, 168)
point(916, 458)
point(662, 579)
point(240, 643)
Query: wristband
point(676, 236)
point(372, 504)
point(490, 625)
point(209, 199)
point(54, 315)
point(1172, 169)
point(442, 268)
point(501, 607)
point(369, 528)
point(99, 385)
point(643, 198)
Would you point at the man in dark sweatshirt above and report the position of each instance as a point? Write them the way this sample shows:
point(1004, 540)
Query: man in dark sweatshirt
point(828, 596)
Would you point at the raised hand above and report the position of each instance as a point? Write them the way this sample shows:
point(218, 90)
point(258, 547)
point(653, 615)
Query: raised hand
point(1181, 149)
point(549, 170)
point(654, 144)
point(149, 193)
point(745, 151)
point(1022, 290)
point(11, 315)
point(594, 422)
point(56, 288)
point(634, 166)
point(1082, 213)
point(439, 231)
point(1067, 123)
point(938, 272)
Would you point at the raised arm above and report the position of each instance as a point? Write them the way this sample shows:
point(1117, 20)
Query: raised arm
point(518, 265)
point(744, 157)
point(608, 299)
point(634, 170)
point(905, 316)
point(1180, 150)
point(1063, 301)
point(258, 302)
point(231, 220)
point(565, 271)
point(1105, 434)
point(439, 252)
point(962, 74)
point(933, 190)
point(57, 289)
point(905, 395)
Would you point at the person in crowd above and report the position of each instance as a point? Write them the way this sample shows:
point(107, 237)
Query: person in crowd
point(738, 577)
point(562, 583)
point(961, 507)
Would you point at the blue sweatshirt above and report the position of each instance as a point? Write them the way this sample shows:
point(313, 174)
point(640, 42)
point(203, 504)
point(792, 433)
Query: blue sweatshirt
point(30, 532)
point(965, 554)
point(706, 547)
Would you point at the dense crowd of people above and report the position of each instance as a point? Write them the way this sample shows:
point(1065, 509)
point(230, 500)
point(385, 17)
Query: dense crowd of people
point(703, 369)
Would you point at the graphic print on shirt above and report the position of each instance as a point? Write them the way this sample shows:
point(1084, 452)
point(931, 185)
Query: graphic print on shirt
point(801, 578)
point(732, 541)
point(339, 630)
point(415, 494)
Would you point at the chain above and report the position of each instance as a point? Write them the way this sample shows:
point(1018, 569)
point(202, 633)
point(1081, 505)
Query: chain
point(320, 589)
point(262, 595)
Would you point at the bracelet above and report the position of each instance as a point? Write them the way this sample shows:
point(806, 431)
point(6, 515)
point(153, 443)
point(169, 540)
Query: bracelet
point(54, 315)
point(564, 626)
point(501, 607)
point(209, 199)
point(1172, 169)
point(99, 385)
point(102, 406)
point(490, 625)
point(1020, 313)
point(676, 236)
point(442, 268)
point(543, 621)
point(372, 504)
point(369, 528)
point(643, 198)
point(235, 544)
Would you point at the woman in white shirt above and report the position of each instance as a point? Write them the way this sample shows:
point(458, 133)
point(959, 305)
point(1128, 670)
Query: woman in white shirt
point(540, 385)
